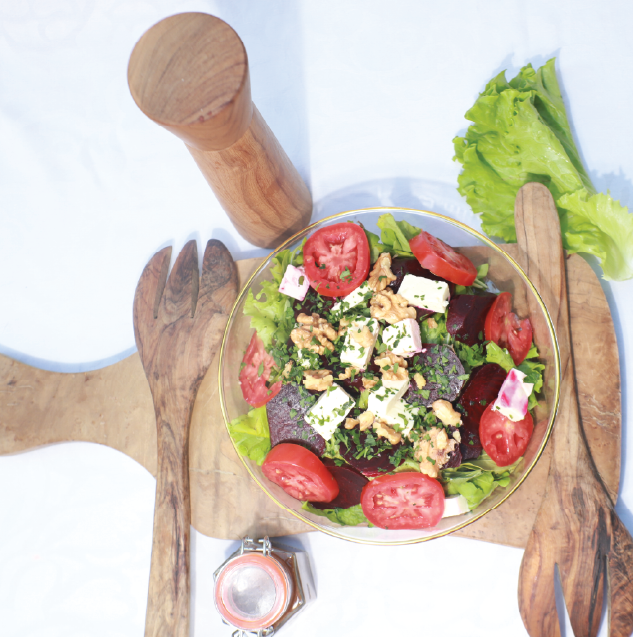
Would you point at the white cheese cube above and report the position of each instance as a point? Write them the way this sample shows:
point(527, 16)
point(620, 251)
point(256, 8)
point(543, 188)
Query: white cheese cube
point(384, 398)
point(295, 283)
point(329, 411)
point(455, 505)
point(425, 293)
point(400, 415)
point(403, 338)
point(359, 296)
point(357, 354)
point(512, 400)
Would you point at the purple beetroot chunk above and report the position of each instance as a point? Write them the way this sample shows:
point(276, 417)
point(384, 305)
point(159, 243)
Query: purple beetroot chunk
point(286, 413)
point(441, 369)
point(371, 467)
point(350, 482)
point(467, 317)
point(482, 388)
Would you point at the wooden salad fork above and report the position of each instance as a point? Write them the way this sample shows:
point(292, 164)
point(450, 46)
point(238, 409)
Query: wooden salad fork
point(576, 528)
point(178, 325)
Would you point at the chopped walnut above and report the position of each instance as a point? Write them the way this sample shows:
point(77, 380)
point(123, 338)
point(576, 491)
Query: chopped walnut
point(368, 383)
point(390, 307)
point(383, 430)
point(287, 370)
point(343, 325)
point(366, 420)
point(445, 412)
point(432, 451)
point(420, 381)
point(313, 327)
point(381, 275)
point(346, 374)
point(396, 364)
point(318, 380)
point(350, 423)
point(431, 322)
point(364, 337)
point(457, 435)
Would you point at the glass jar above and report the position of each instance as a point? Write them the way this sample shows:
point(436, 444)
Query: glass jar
point(260, 587)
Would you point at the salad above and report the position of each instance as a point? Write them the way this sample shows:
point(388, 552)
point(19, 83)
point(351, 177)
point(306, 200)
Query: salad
point(390, 383)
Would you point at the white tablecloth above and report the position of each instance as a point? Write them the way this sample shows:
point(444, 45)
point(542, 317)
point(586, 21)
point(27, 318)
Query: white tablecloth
point(365, 96)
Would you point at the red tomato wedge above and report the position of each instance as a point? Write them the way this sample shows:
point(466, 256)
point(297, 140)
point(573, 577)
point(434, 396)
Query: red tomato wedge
point(438, 257)
point(504, 328)
point(504, 440)
point(407, 500)
point(300, 473)
point(254, 373)
point(336, 259)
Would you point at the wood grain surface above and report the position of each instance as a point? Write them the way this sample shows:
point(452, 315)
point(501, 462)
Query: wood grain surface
point(189, 73)
point(178, 327)
point(113, 406)
point(574, 525)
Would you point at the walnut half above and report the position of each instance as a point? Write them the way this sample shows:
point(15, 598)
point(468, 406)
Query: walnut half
point(318, 380)
point(381, 275)
point(390, 307)
point(432, 451)
point(383, 430)
point(392, 367)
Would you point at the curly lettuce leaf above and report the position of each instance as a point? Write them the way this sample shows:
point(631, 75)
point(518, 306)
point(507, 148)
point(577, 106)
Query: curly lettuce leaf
point(520, 133)
point(395, 235)
point(251, 435)
point(347, 517)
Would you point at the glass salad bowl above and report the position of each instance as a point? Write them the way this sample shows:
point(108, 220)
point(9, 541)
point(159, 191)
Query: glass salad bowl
point(504, 275)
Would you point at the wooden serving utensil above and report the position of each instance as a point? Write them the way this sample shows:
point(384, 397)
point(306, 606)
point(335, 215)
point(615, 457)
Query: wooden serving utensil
point(189, 73)
point(178, 325)
point(576, 528)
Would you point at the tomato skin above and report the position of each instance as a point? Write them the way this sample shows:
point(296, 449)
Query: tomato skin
point(407, 500)
point(300, 473)
point(438, 257)
point(336, 251)
point(504, 440)
point(252, 383)
point(504, 328)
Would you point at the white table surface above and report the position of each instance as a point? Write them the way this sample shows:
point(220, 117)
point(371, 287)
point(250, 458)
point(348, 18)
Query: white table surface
point(365, 96)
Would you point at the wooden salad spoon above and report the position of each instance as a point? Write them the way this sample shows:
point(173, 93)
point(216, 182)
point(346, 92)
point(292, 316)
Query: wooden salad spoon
point(178, 325)
point(576, 528)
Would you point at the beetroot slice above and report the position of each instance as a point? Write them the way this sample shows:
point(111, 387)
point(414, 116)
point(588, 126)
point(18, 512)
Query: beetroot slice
point(467, 317)
point(482, 389)
point(286, 422)
point(371, 467)
point(350, 482)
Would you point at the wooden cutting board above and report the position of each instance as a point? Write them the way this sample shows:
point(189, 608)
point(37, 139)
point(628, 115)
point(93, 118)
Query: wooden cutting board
point(113, 406)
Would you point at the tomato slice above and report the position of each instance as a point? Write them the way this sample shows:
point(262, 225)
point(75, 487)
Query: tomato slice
point(407, 500)
point(300, 473)
point(336, 259)
point(438, 257)
point(504, 328)
point(254, 373)
point(504, 440)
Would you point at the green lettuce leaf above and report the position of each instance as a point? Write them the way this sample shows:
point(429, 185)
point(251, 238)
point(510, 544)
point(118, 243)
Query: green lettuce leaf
point(395, 235)
point(435, 335)
point(470, 356)
point(477, 479)
point(349, 517)
point(375, 247)
point(251, 435)
point(520, 133)
point(494, 354)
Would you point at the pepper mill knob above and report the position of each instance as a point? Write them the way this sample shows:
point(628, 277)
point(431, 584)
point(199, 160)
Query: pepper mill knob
point(189, 73)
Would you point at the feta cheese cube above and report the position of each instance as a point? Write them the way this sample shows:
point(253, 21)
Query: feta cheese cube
point(295, 283)
point(403, 338)
point(512, 400)
point(329, 411)
point(359, 296)
point(357, 354)
point(425, 293)
point(455, 505)
point(384, 398)
point(400, 416)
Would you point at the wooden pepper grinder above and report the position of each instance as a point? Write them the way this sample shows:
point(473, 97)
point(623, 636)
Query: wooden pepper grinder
point(189, 73)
